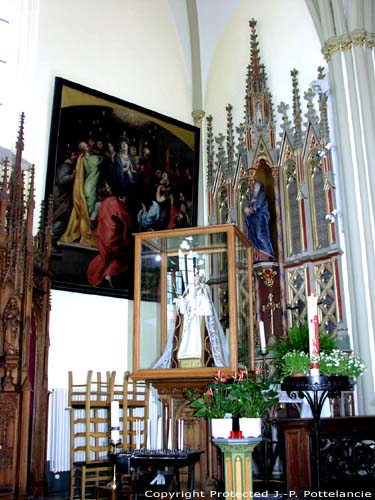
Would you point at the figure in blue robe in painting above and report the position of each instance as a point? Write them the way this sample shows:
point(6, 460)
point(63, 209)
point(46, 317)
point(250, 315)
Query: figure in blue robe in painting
point(125, 179)
point(257, 218)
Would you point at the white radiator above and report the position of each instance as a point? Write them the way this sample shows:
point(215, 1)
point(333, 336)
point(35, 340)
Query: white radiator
point(58, 444)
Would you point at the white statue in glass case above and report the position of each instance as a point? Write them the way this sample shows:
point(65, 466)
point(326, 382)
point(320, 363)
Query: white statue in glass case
point(196, 318)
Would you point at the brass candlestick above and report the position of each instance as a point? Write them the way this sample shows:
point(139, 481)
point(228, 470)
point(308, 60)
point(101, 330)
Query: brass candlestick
point(264, 353)
point(113, 483)
point(113, 445)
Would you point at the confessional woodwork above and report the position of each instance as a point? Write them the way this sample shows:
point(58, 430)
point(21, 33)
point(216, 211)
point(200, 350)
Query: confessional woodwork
point(24, 340)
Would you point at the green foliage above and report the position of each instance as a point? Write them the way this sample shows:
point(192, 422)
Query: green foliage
point(253, 398)
point(238, 396)
point(295, 362)
point(216, 400)
point(292, 355)
point(298, 341)
point(341, 363)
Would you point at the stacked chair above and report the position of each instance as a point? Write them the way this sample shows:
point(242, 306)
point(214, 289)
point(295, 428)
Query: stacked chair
point(90, 405)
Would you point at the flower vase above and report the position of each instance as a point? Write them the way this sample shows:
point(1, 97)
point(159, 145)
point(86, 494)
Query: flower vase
point(250, 427)
point(221, 427)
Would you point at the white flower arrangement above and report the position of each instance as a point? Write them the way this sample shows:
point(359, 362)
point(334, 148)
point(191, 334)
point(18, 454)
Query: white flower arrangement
point(333, 363)
point(339, 362)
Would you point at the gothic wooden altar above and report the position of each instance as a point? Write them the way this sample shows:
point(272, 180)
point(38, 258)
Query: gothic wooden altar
point(24, 315)
point(298, 178)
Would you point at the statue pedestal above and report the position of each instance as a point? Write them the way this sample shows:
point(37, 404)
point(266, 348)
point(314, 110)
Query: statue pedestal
point(238, 464)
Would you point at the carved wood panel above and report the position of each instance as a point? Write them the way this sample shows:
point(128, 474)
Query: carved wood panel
point(24, 314)
point(8, 434)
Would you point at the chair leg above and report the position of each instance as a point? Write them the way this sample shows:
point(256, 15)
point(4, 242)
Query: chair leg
point(82, 495)
point(71, 484)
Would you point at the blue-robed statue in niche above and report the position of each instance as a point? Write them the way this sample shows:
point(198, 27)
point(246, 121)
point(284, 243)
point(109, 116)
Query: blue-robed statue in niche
point(257, 217)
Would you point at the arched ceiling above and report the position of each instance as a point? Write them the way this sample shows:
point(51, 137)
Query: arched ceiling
point(199, 24)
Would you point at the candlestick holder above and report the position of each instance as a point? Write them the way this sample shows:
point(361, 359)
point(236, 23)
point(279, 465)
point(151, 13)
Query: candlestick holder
point(113, 445)
point(264, 365)
point(316, 389)
point(113, 484)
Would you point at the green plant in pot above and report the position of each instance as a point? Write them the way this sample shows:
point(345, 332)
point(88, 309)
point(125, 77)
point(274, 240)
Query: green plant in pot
point(292, 356)
point(297, 341)
point(341, 363)
point(216, 403)
point(238, 396)
point(215, 400)
point(235, 396)
point(294, 363)
point(254, 398)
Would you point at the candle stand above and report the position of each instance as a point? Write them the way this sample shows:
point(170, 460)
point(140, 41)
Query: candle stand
point(264, 365)
point(238, 464)
point(316, 389)
point(113, 445)
point(159, 461)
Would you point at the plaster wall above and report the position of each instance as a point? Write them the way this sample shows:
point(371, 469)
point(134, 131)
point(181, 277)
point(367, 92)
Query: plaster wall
point(128, 49)
point(133, 50)
point(287, 39)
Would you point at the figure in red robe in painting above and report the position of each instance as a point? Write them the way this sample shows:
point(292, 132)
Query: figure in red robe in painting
point(113, 235)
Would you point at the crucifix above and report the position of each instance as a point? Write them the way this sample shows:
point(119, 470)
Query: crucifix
point(271, 307)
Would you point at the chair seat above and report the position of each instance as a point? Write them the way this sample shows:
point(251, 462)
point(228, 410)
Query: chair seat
point(89, 475)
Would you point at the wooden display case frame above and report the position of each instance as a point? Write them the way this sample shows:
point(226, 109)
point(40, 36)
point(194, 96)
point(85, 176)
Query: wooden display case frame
point(177, 378)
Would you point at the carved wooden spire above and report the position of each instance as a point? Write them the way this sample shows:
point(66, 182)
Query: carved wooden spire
point(323, 108)
point(24, 311)
point(229, 171)
point(210, 153)
point(297, 113)
point(258, 101)
point(42, 240)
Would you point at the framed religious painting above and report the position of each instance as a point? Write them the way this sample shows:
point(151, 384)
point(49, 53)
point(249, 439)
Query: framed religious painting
point(114, 169)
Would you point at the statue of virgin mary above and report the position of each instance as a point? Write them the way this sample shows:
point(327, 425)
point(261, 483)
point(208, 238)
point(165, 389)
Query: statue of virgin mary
point(199, 318)
point(257, 218)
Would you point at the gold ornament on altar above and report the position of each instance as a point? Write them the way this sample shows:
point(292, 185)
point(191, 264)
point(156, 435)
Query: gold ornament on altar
point(268, 276)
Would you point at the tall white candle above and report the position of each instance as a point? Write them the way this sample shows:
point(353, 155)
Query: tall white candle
point(148, 430)
point(290, 322)
point(314, 347)
point(179, 434)
point(169, 445)
point(159, 437)
point(182, 435)
point(262, 337)
point(115, 421)
point(137, 434)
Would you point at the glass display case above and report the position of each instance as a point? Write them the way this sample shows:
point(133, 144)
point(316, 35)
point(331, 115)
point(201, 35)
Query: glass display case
point(192, 303)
